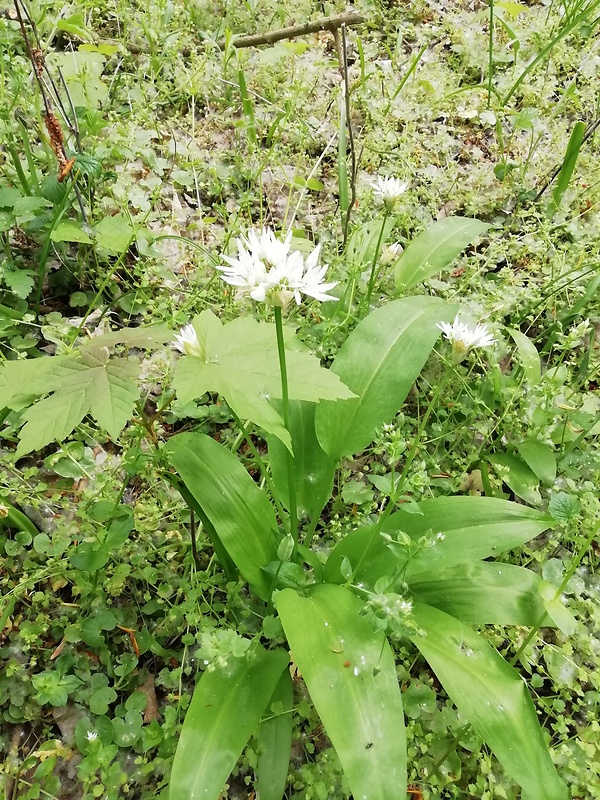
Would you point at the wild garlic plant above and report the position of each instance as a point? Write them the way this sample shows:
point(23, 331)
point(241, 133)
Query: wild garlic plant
point(415, 571)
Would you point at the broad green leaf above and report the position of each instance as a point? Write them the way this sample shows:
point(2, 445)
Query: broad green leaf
point(89, 556)
point(238, 510)
point(313, 469)
point(470, 528)
point(435, 248)
point(517, 476)
point(530, 358)
point(226, 708)
point(114, 234)
point(75, 25)
point(275, 742)
point(69, 230)
point(51, 419)
point(483, 593)
point(379, 362)
point(350, 674)
point(493, 697)
point(22, 380)
point(540, 458)
point(146, 337)
point(239, 361)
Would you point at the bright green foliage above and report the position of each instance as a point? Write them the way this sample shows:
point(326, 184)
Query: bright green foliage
point(234, 506)
point(225, 710)
point(239, 361)
point(274, 740)
point(483, 593)
point(350, 674)
point(87, 382)
point(469, 528)
point(379, 361)
point(313, 469)
point(434, 249)
point(528, 355)
point(493, 697)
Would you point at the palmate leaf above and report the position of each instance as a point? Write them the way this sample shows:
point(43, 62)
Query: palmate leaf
point(350, 674)
point(105, 389)
point(239, 361)
point(493, 697)
point(225, 710)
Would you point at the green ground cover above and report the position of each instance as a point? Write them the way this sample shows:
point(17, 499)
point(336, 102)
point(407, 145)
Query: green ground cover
point(125, 583)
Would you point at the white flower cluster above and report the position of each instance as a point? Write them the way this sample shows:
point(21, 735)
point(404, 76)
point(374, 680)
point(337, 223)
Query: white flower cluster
point(464, 338)
point(268, 270)
point(388, 190)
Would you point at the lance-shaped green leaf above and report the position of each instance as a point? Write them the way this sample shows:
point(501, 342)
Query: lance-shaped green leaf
point(351, 677)
point(313, 469)
point(493, 697)
point(379, 362)
point(517, 476)
point(239, 361)
point(226, 708)
point(435, 248)
point(483, 593)
point(237, 509)
point(274, 742)
point(528, 356)
point(458, 530)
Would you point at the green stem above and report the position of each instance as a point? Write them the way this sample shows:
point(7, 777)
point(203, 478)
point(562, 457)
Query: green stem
point(285, 401)
point(375, 257)
point(244, 433)
point(490, 54)
point(402, 479)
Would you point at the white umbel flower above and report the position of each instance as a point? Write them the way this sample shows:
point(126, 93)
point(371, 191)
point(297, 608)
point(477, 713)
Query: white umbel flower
point(269, 271)
point(186, 341)
point(464, 338)
point(388, 190)
point(390, 253)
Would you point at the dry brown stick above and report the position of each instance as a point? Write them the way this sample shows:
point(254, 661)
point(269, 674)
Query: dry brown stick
point(323, 24)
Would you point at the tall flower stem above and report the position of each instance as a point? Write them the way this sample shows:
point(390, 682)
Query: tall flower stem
point(373, 275)
point(285, 402)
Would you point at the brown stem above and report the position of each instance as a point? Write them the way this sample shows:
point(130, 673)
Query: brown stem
point(256, 39)
point(323, 24)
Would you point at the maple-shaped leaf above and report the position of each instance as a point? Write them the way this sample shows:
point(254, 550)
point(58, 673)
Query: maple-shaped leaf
point(92, 384)
point(240, 362)
point(23, 380)
point(143, 338)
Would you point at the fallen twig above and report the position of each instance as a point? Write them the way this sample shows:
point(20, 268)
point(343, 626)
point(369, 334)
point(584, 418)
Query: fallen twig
point(323, 24)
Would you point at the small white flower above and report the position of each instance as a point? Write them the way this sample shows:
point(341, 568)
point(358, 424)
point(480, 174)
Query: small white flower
point(186, 341)
point(269, 271)
point(464, 338)
point(390, 253)
point(91, 736)
point(388, 190)
point(406, 606)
